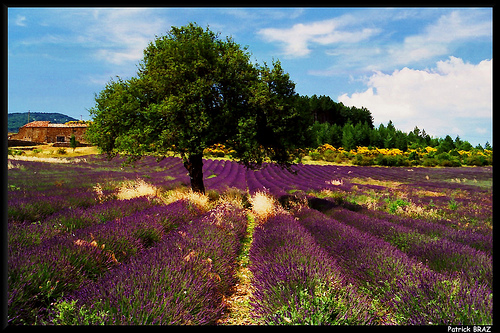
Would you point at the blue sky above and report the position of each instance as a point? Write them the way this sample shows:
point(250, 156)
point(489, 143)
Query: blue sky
point(425, 67)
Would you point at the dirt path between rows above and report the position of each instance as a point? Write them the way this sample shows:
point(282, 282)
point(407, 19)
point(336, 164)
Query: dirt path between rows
point(238, 303)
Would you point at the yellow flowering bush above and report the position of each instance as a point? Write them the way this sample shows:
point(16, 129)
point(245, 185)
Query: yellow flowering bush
point(217, 150)
point(362, 155)
point(321, 149)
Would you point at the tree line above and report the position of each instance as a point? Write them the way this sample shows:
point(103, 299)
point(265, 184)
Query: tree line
point(349, 127)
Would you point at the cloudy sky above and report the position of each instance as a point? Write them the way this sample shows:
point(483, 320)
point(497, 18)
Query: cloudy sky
point(425, 67)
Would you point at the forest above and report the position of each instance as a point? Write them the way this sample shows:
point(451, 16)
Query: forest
point(348, 127)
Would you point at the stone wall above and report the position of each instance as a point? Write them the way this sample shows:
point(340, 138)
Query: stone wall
point(33, 134)
point(63, 134)
point(20, 143)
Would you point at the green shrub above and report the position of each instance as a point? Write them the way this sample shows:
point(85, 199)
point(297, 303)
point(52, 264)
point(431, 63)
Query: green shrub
point(15, 152)
point(443, 157)
point(429, 162)
point(385, 160)
point(452, 204)
point(476, 160)
point(66, 313)
point(329, 155)
point(72, 142)
point(413, 156)
point(392, 206)
point(61, 151)
point(363, 160)
point(315, 155)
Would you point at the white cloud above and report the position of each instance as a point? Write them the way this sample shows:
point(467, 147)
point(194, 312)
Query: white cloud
point(116, 35)
point(439, 100)
point(437, 37)
point(122, 34)
point(299, 37)
point(21, 20)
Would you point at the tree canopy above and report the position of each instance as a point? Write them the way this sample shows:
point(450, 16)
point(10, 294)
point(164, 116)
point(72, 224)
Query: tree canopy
point(194, 89)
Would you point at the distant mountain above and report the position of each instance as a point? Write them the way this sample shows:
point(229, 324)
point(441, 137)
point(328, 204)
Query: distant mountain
point(16, 120)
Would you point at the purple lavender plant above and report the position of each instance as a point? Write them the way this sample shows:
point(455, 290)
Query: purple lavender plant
point(444, 229)
point(441, 255)
point(39, 275)
point(296, 282)
point(180, 280)
point(385, 273)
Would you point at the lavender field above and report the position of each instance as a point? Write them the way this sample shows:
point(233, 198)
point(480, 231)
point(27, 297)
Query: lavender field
point(95, 242)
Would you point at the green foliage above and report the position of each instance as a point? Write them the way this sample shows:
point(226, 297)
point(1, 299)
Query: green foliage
point(67, 313)
point(315, 155)
point(193, 90)
point(72, 142)
point(388, 160)
point(329, 305)
point(148, 236)
point(453, 204)
point(477, 160)
point(329, 155)
point(15, 152)
point(350, 135)
point(363, 160)
point(348, 140)
point(392, 206)
point(446, 145)
point(324, 110)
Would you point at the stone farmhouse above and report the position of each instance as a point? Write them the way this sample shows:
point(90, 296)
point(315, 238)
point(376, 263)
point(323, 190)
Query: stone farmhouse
point(45, 132)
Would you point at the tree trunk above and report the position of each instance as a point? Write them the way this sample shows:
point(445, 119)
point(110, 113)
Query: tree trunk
point(194, 166)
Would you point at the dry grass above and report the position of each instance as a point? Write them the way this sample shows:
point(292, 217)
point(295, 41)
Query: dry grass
point(11, 165)
point(335, 182)
point(50, 150)
point(418, 212)
point(427, 193)
point(46, 159)
point(136, 188)
point(233, 196)
point(198, 199)
point(238, 311)
point(238, 303)
point(126, 189)
point(370, 181)
point(264, 206)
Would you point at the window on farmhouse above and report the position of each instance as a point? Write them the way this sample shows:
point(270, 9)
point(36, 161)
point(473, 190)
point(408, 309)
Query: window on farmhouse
point(60, 139)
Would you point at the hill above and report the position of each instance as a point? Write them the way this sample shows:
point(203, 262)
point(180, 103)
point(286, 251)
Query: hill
point(16, 120)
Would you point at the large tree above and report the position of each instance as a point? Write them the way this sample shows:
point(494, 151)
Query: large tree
point(194, 89)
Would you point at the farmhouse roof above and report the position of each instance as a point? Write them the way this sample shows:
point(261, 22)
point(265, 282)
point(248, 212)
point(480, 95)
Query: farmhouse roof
point(38, 123)
point(45, 123)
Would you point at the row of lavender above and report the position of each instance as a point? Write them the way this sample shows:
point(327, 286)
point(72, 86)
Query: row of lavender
point(298, 282)
point(352, 276)
point(470, 254)
point(180, 280)
point(56, 255)
point(317, 177)
point(99, 258)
